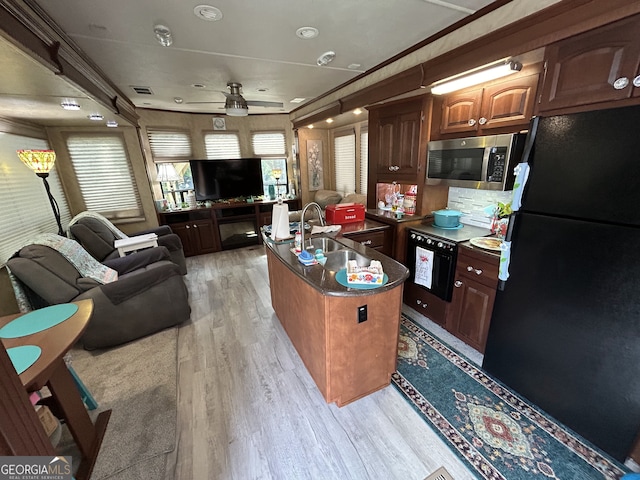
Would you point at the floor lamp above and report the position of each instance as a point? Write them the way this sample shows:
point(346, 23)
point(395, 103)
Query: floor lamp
point(41, 162)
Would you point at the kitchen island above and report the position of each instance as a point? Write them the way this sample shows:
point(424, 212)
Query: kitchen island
point(347, 337)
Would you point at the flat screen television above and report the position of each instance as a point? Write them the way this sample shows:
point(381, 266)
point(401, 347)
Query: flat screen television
point(229, 178)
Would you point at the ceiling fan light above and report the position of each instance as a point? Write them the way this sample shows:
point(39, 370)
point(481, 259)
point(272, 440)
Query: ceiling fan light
point(236, 111)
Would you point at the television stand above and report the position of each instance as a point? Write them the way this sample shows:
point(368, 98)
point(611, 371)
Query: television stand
point(222, 226)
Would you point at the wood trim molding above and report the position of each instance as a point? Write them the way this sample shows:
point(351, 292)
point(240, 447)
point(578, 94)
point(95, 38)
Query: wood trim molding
point(19, 127)
point(322, 113)
point(29, 27)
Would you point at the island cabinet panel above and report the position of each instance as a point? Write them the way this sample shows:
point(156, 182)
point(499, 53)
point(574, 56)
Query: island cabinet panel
point(346, 358)
point(600, 67)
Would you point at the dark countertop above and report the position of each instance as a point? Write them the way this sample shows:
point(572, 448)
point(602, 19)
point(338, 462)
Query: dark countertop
point(390, 217)
point(324, 280)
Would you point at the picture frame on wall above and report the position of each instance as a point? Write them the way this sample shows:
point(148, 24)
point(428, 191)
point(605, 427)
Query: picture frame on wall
point(315, 166)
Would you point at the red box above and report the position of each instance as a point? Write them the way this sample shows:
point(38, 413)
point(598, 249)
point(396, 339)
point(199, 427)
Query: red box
point(344, 213)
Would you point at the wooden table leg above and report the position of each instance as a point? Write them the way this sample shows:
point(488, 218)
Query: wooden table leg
point(87, 436)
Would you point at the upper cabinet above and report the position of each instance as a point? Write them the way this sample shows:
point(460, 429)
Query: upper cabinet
point(506, 105)
point(594, 68)
point(395, 132)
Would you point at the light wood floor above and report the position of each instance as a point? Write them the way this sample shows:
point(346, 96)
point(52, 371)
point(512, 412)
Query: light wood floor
point(248, 409)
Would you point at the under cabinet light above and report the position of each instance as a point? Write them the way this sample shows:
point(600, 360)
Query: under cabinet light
point(476, 76)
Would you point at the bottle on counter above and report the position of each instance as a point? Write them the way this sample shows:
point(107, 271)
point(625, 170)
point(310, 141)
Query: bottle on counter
point(410, 203)
point(298, 241)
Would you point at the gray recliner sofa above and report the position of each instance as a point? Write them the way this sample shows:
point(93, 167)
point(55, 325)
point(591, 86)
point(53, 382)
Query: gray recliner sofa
point(148, 296)
point(98, 239)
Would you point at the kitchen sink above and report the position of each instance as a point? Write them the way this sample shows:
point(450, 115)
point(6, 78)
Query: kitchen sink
point(325, 244)
point(338, 259)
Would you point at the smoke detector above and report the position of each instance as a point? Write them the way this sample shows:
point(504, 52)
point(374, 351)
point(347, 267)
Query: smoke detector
point(208, 13)
point(325, 58)
point(307, 33)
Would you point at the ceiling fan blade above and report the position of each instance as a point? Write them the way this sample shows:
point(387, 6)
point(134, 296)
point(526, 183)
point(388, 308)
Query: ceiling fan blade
point(195, 103)
point(259, 103)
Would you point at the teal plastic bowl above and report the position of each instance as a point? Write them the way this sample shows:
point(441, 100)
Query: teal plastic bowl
point(446, 218)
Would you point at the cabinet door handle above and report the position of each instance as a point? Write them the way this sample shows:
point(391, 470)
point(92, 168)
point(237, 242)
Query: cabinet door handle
point(187, 226)
point(482, 120)
point(621, 83)
point(391, 168)
point(478, 271)
point(470, 268)
point(471, 122)
point(636, 81)
point(457, 284)
point(366, 242)
point(195, 226)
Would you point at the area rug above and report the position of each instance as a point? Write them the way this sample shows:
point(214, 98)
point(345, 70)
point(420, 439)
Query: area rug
point(494, 431)
point(138, 382)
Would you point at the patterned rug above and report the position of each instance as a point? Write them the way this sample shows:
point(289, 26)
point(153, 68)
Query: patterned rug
point(497, 433)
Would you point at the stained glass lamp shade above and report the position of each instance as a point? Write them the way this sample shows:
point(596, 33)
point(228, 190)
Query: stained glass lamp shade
point(41, 162)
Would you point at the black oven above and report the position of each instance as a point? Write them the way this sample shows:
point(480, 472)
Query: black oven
point(432, 262)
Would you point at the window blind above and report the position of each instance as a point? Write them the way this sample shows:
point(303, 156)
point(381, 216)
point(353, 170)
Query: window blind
point(268, 144)
point(345, 162)
point(26, 211)
point(222, 145)
point(104, 175)
point(169, 145)
point(364, 160)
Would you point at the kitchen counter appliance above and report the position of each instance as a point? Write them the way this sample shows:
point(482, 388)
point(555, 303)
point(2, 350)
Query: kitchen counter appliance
point(481, 163)
point(565, 330)
point(432, 254)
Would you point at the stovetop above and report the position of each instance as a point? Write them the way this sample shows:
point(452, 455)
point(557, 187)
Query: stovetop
point(460, 235)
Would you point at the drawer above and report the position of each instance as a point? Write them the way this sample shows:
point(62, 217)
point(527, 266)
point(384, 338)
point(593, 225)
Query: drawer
point(423, 301)
point(368, 239)
point(481, 270)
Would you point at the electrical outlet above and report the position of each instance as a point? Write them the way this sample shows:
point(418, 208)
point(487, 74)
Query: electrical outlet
point(362, 314)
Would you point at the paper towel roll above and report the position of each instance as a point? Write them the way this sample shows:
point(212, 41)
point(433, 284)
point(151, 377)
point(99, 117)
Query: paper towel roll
point(280, 222)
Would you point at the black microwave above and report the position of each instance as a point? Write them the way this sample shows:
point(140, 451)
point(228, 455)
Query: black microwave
point(484, 163)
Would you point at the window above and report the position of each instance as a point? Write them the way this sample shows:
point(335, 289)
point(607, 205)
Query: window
point(344, 145)
point(364, 160)
point(222, 145)
point(26, 211)
point(171, 152)
point(104, 175)
point(271, 147)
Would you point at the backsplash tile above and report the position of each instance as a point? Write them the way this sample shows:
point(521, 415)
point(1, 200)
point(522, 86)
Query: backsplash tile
point(472, 202)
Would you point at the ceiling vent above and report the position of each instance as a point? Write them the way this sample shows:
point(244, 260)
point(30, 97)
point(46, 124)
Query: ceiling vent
point(143, 90)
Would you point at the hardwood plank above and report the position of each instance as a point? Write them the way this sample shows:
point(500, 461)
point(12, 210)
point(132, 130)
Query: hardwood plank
point(249, 409)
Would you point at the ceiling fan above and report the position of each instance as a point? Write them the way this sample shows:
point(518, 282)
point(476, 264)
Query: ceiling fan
point(236, 105)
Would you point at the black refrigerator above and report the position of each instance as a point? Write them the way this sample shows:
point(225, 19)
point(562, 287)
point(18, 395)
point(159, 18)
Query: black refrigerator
point(565, 331)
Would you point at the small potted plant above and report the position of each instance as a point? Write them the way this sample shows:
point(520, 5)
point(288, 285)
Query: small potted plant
point(501, 219)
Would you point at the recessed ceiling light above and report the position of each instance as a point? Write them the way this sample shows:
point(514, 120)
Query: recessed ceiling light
point(325, 58)
point(310, 126)
point(70, 105)
point(112, 123)
point(357, 111)
point(95, 116)
point(163, 35)
point(329, 120)
point(178, 100)
point(197, 85)
point(307, 33)
point(353, 66)
point(208, 13)
point(297, 100)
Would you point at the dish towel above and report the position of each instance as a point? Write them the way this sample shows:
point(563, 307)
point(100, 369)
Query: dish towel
point(424, 267)
point(521, 171)
point(505, 256)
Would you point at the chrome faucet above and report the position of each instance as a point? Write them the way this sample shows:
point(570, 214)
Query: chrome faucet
point(304, 211)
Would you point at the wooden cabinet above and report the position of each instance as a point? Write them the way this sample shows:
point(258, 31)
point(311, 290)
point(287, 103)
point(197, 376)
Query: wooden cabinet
point(380, 239)
point(508, 104)
point(197, 236)
point(395, 132)
point(594, 68)
point(474, 292)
